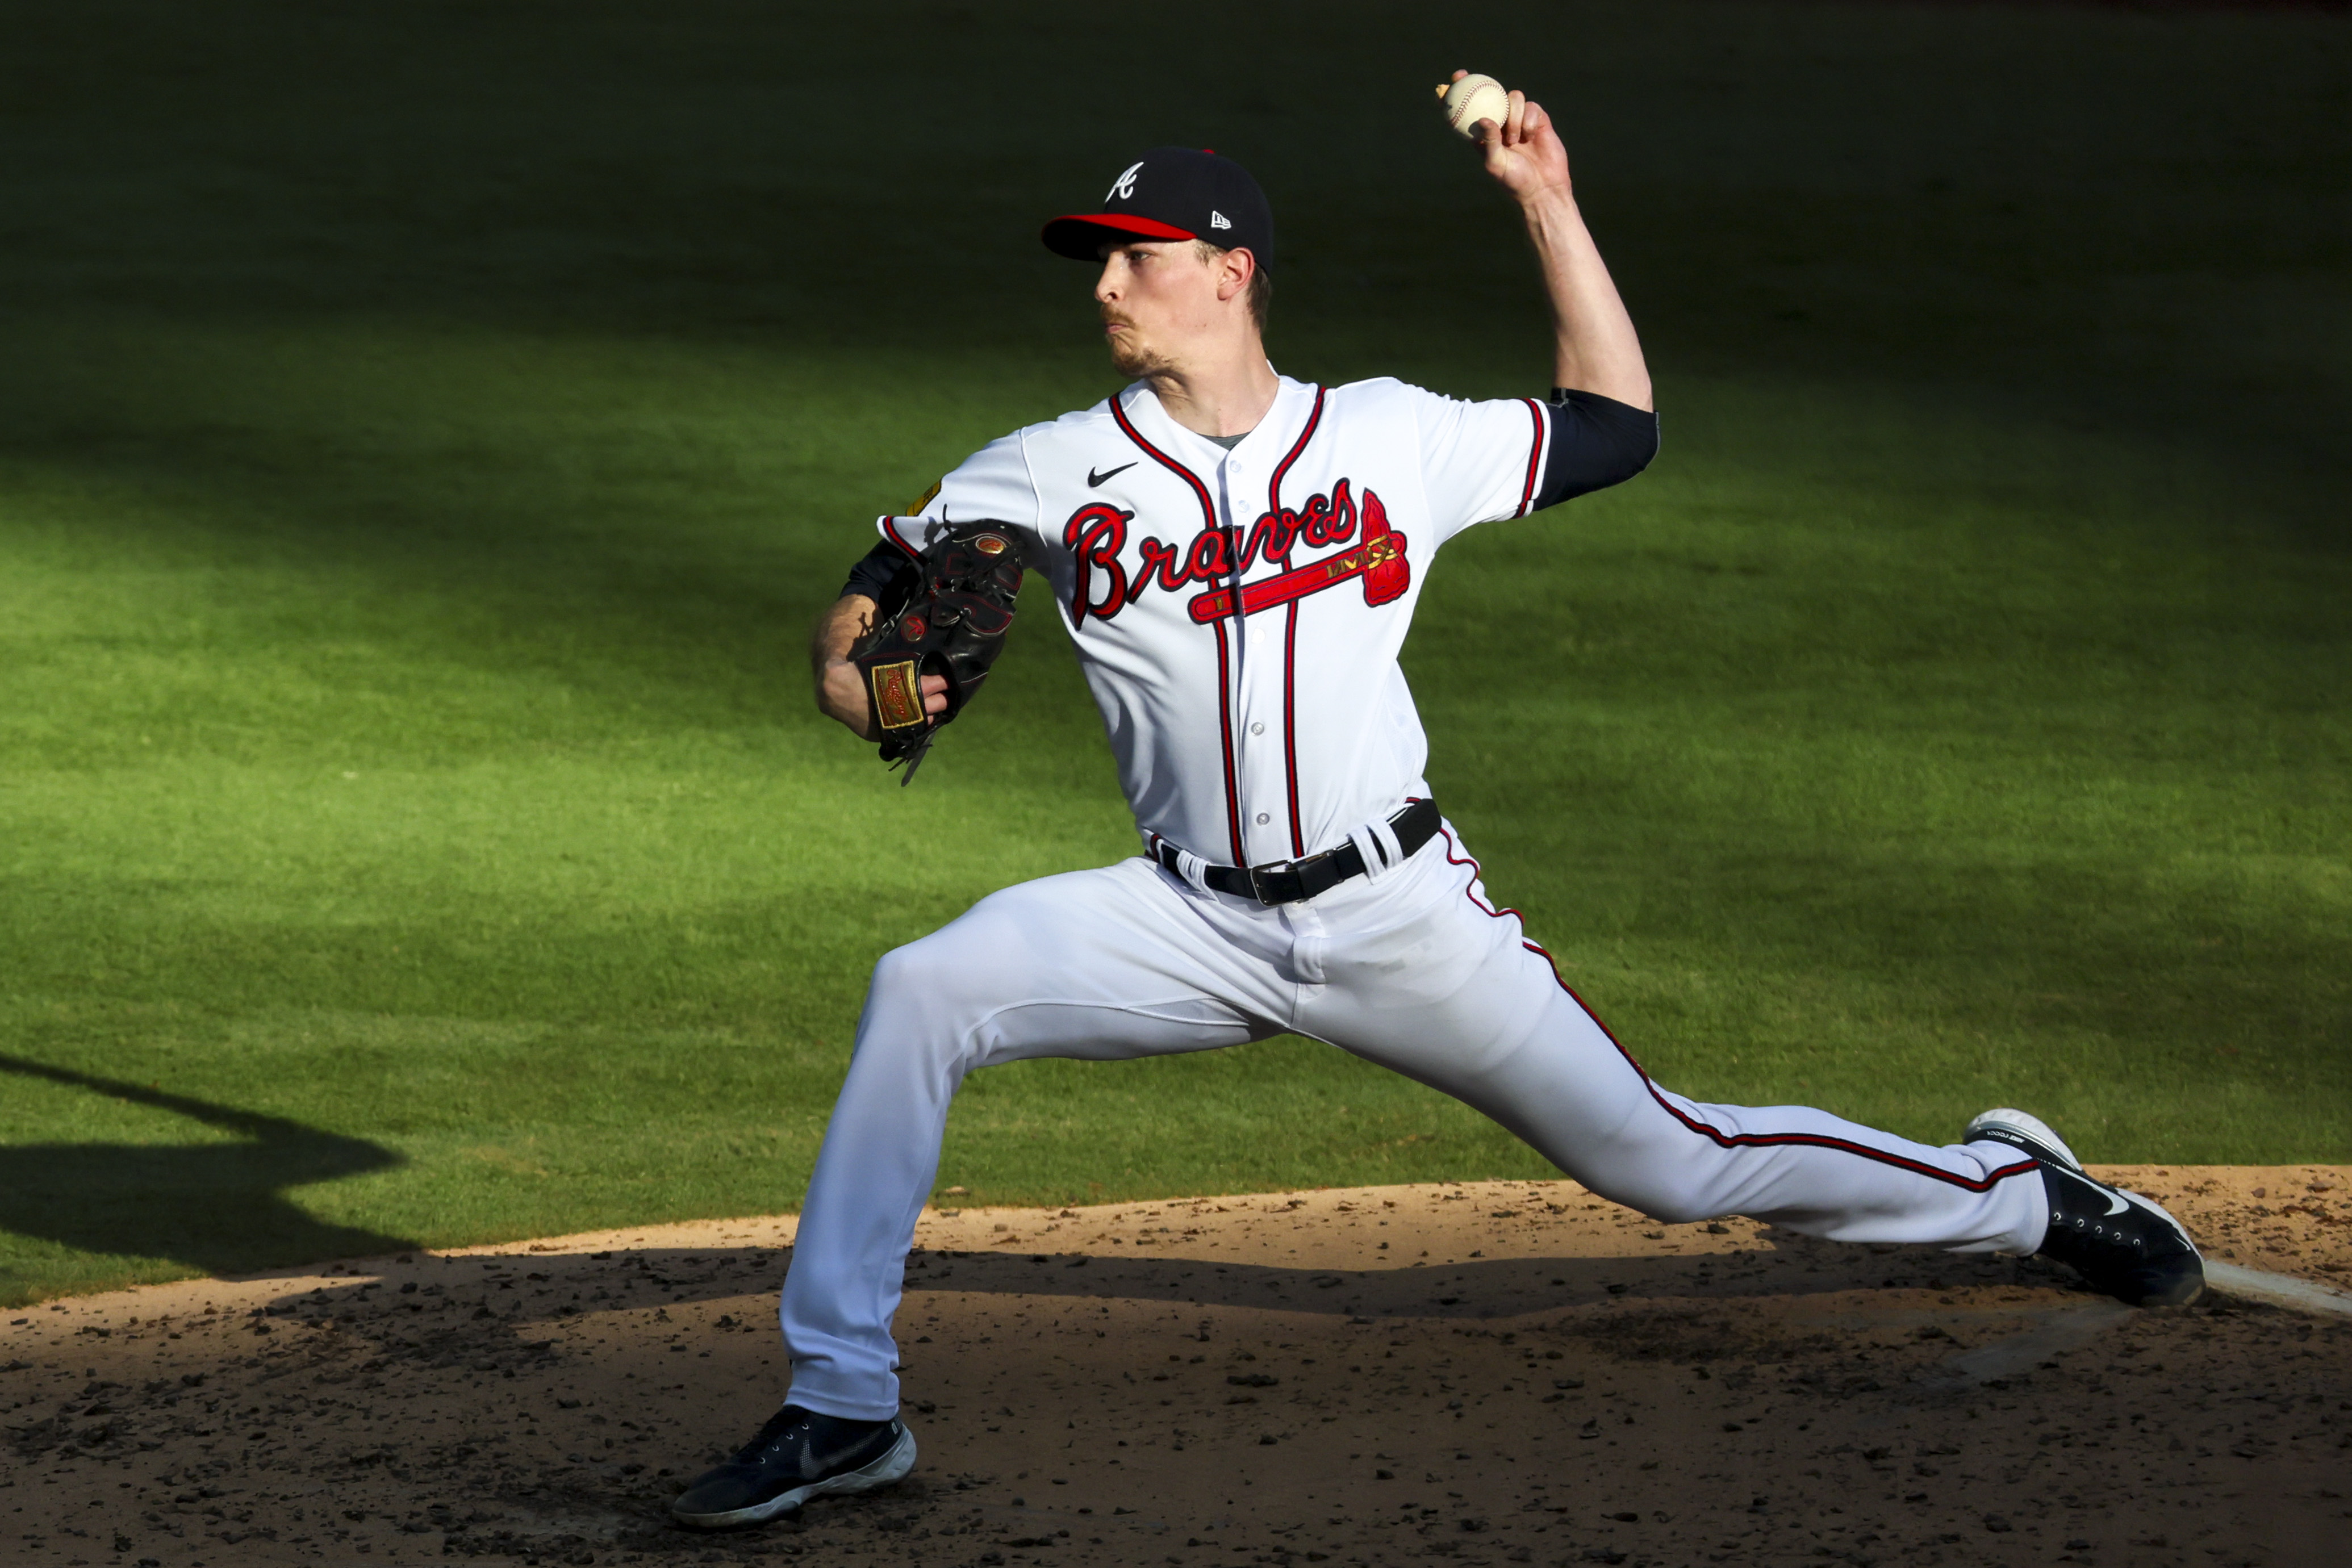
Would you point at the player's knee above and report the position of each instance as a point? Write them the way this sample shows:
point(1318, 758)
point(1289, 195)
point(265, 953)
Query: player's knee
point(1656, 1200)
point(1669, 1192)
point(896, 973)
point(1675, 1206)
point(924, 1000)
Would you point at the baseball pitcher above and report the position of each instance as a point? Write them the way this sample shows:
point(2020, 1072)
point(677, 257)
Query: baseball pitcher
point(1238, 556)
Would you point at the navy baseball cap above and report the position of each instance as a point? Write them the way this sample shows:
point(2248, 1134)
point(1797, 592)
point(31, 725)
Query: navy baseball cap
point(1173, 193)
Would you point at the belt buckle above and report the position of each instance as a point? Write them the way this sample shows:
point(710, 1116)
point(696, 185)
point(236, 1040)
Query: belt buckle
point(1257, 888)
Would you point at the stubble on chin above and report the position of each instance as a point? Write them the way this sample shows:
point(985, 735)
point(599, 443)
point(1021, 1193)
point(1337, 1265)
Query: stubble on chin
point(1132, 358)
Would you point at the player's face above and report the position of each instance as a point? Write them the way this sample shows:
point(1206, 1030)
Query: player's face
point(1159, 299)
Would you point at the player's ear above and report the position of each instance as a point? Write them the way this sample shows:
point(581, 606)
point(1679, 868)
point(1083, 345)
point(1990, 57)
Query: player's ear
point(1235, 269)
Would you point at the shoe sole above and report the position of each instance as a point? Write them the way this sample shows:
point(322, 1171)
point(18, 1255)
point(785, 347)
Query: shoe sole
point(2185, 1289)
point(2022, 1128)
point(892, 1466)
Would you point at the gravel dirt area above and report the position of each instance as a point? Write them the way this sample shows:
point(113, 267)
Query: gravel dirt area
point(1487, 1373)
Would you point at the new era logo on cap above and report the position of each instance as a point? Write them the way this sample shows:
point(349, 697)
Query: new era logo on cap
point(1172, 193)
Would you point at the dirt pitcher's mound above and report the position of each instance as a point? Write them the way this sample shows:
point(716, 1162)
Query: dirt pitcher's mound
point(1491, 1373)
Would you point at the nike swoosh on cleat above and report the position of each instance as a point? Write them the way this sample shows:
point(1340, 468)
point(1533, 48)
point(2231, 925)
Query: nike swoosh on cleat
point(2115, 1204)
point(1094, 480)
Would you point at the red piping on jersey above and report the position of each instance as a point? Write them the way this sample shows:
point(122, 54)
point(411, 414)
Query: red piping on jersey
point(1201, 491)
point(1224, 685)
point(1716, 1136)
point(1225, 735)
point(891, 529)
point(1289, 634)
point(1535, 464)
point(1290, 725)
point(1314, 418)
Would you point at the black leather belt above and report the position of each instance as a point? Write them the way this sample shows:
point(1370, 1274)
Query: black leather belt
point(1287, 881)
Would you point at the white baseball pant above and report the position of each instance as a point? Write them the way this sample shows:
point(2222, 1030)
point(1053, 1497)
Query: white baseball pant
point(1409, 967)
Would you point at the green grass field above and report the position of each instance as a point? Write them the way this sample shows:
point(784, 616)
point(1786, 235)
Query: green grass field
point(426, 431)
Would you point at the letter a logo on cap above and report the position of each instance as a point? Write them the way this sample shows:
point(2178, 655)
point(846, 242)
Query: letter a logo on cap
point(1218, 220)
point(1123, 188)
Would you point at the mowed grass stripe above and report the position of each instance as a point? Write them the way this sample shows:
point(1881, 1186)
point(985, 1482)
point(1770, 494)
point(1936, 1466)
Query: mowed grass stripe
point(416, 831)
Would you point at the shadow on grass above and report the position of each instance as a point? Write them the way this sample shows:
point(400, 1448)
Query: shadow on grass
point(219, 1207)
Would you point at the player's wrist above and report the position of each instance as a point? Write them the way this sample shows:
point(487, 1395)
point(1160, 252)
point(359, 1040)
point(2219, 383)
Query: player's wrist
point(1550, 204)
point(841, 696)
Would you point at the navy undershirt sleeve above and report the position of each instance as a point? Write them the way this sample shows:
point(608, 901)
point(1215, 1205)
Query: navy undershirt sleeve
point(1596, 441)
point(877, 572)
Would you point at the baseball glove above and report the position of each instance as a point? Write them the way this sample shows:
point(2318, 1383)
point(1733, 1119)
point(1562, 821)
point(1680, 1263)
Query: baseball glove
point(946, 616)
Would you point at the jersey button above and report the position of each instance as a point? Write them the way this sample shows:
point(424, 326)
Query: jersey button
point(1263, 818)
point(1259, 728)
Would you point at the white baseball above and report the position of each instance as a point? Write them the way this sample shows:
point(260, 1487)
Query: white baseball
point(1473, 99)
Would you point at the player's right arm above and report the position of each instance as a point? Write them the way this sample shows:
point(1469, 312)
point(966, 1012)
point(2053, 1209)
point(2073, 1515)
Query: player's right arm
point(1595, 348)
point(1498, 459)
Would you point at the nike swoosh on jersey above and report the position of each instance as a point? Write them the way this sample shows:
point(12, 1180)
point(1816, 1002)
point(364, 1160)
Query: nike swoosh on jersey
point(1094, 480)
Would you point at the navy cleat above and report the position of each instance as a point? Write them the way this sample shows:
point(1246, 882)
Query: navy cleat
point(2118, 1241)
point(798, 1455)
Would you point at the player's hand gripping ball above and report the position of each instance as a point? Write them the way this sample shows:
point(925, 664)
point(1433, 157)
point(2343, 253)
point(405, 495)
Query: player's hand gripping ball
point(948, 617)
point(1473, 99)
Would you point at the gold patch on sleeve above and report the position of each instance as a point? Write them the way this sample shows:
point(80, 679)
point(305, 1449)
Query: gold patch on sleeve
point(898, 695)
point(924, 498)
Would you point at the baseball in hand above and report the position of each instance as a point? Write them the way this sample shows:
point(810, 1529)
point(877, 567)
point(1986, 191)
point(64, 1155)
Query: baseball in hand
point(1473, 99)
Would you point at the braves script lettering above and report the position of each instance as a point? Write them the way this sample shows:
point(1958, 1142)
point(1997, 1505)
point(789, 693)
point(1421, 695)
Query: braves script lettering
point(1096, 537)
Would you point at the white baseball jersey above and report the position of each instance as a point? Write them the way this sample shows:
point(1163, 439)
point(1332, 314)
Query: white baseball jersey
point(1239, 613)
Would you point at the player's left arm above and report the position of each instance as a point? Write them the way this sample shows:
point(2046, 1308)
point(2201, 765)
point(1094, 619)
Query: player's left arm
point(882, 574)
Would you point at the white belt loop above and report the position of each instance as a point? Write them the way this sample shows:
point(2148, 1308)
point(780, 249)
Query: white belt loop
point(1376, 842)
point(1189, 866)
